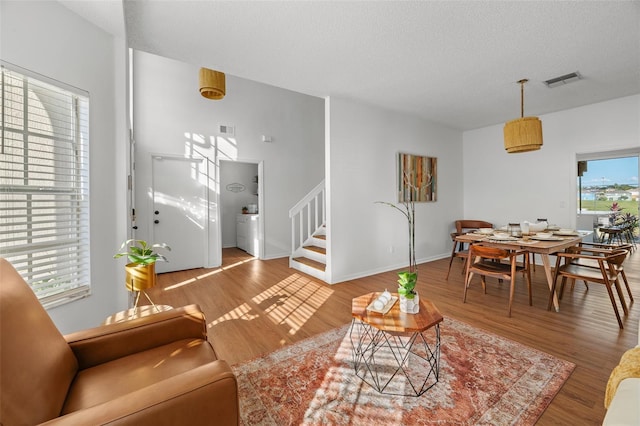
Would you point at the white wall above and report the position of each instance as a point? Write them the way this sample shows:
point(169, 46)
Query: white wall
point(231, 202)
point(170, 117)
point(47, 38)
point(502, 188)
point(362, 145)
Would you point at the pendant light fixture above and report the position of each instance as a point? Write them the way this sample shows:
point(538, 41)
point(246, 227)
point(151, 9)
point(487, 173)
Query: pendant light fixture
point(525, 133)
point(212, 84)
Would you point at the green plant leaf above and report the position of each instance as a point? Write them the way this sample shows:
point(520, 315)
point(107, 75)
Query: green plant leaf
point(140, 252)
point(409, 294)
point(407, 283)
point(161, 245)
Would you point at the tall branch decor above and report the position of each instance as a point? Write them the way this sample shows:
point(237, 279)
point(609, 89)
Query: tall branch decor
point(416, 184)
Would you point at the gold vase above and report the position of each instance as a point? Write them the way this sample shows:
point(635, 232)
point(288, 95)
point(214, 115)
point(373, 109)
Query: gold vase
point(140, 277)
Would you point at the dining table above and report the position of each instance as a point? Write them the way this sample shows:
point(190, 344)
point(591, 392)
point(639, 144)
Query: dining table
point(545, 247)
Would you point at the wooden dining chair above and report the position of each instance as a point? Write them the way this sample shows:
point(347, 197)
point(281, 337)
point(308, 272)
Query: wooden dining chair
point(459, 248)
point(578, 264)
point(489, 262)
point(599, 248)
point(467, 225)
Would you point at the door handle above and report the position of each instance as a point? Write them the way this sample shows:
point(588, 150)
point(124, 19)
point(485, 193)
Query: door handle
point(156, 212)
point(156, 221)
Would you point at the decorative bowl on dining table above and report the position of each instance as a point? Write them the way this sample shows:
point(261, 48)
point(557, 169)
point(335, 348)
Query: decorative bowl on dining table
point(537, 227)
point(485, 231)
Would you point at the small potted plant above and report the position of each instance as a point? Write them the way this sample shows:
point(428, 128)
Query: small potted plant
point(406, 289)
point(140, 272)
point(245, 210)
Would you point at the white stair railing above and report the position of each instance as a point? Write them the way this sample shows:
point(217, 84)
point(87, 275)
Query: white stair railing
point(307, 216)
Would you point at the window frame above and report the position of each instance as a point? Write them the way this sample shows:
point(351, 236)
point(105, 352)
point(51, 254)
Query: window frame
point(44, 184)
point(599, 156)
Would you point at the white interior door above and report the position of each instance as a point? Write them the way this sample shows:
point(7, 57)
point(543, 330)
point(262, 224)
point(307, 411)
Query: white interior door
point(179, 211)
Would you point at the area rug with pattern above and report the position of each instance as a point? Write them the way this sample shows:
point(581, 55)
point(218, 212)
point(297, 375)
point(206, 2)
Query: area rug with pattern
point(483, 379)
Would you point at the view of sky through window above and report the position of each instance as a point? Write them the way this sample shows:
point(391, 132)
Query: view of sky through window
point(609, 181)
point(621, 171)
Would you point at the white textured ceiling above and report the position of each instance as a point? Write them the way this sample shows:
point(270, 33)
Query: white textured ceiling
point(453, 62)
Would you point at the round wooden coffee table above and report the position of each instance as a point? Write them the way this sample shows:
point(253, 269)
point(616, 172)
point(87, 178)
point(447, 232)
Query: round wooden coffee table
point(393, 352)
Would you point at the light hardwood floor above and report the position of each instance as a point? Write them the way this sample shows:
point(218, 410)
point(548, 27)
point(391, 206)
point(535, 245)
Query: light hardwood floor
point(254, 307)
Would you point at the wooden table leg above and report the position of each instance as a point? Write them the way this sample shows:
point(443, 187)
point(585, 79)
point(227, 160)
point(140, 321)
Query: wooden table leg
point(547, 272)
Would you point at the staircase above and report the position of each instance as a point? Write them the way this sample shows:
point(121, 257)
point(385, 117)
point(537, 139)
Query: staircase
point(308, 234)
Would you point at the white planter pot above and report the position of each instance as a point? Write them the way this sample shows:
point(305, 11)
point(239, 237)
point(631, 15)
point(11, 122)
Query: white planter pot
point(410, 306)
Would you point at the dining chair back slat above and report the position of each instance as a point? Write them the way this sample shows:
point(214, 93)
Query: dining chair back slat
point(468, 225)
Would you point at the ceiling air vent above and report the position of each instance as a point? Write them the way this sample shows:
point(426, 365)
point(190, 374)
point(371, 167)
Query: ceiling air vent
point(563, 79)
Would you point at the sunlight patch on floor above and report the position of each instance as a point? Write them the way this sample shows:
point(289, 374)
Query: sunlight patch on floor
point(242, 312)
point(290, 302)
point(296, 299)
point(208, 274)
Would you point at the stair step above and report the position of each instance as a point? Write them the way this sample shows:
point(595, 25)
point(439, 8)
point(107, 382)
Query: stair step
point(310, 262)
point(316, 249)
point(320, 237)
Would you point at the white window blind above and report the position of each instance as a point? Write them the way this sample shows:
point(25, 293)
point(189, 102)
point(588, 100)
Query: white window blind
point(44, 184)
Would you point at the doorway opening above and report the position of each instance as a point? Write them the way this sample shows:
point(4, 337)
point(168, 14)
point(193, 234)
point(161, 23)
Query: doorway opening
point(241, 203)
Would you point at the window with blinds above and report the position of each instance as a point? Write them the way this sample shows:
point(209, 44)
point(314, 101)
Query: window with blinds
point(44, 184)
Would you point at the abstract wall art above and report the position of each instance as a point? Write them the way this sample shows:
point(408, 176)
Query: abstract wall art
point(417, 178)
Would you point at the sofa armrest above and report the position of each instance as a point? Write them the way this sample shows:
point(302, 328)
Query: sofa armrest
point(98, 345)
point(204, 395)
point(624, 409)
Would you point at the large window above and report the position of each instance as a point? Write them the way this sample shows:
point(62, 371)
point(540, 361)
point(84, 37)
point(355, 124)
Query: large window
point(44, 184)
point(608, 190)
point(605, 181)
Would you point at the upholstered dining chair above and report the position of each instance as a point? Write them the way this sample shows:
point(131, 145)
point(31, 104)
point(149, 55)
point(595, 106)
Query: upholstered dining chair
point(459, 248)
point(155, 370)
point(489, 262)
point(590, 265)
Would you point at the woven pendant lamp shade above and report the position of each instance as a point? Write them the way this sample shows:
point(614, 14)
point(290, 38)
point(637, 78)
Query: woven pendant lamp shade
point(212, 84)
point(523, 134)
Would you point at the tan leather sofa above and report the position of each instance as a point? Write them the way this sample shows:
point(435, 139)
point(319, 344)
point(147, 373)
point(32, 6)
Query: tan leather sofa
point(155, 370)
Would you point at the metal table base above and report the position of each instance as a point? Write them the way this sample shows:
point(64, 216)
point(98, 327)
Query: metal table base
point(393, 363)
